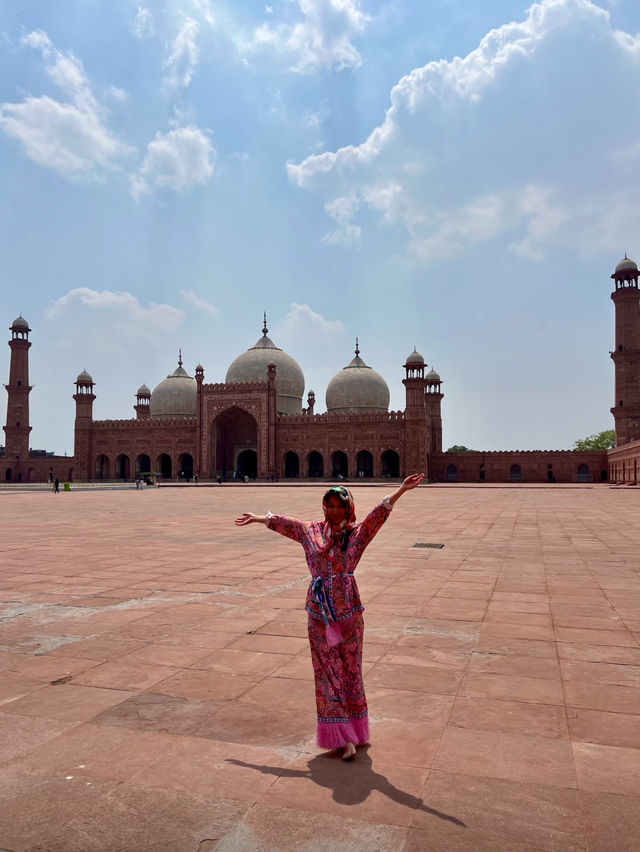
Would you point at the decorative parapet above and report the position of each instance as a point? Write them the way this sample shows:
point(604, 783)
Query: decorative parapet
point(146, 425)
point(305, 419)
point(235, 387)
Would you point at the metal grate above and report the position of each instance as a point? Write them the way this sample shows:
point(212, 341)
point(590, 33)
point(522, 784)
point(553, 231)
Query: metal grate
point(430, 544)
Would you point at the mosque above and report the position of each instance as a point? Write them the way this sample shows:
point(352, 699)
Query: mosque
point(255, 423)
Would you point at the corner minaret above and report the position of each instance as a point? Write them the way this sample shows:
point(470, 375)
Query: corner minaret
point(433, 404)
point(17, 428)
point(626, 356)
point(417, 451)
point(84, 398)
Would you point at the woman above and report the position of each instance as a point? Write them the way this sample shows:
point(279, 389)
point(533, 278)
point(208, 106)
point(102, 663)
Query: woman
point(333, 548)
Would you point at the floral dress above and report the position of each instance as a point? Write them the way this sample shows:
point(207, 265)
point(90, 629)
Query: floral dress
point(336, 625)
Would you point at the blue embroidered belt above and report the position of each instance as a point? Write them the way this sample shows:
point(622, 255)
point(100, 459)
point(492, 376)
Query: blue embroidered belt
point(323, 600)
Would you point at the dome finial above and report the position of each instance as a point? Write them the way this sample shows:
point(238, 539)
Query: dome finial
point(357, 349)
point(180, 357)
point(265, 330)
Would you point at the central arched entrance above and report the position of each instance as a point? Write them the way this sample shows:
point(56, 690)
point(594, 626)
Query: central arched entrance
point(364, 462)
point(340, 464)
point(234, 444)
point(291, 465)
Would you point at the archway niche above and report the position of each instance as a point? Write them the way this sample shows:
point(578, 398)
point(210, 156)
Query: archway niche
point(291, 465)
point(339, 464)
point(122, 467)
point(7, 474)
point(164, 465)
point(70, 474)
point(247, 464)
point(232, 433)
point(364, 464)
point(102, 467)
point(452, 473)
point(315, 464)
point(515, 474)
point(185, 466)
point(143, 463)
point(584, 473)
point(390, 463)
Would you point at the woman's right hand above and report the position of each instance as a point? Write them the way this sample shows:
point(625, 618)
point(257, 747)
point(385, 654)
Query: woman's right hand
point(247, 518)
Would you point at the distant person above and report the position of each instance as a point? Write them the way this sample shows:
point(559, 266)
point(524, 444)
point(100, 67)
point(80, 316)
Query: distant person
point(219, 479)
point(56, 486)
point(333, 548)
point(196, 478)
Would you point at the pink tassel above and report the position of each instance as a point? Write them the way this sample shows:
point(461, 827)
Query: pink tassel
point(334, 634)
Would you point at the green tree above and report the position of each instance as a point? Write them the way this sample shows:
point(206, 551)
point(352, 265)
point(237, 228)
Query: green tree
point(459, 448)
point(600, 441)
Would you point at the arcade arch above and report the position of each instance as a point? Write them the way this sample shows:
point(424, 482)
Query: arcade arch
point(234, 443)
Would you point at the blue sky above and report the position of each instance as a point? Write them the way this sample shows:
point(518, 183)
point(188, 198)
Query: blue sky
point(416, 174)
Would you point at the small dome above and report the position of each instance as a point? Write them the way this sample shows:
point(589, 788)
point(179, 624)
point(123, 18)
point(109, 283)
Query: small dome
point(252, 365)
point(199, 368)
point(84, 378)
point(357, 389)
point(415, 357)
point(20, 322)
point(625, 264)
point(143, 390)
point(176, 396)
point(432, 376)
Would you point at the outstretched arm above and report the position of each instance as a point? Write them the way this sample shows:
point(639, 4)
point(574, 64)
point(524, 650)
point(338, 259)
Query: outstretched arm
point(249, 518)
point(409, 484)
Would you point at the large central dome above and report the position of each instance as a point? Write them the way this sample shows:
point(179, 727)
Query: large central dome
point(251, 366)
point(176, 396)
point(357, 389)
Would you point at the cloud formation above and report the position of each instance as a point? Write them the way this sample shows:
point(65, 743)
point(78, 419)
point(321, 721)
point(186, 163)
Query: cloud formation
point(181, 158)
point(200, 304)
point(183, 55)
point(322, 38)
point(466, 151)
point(70, 137)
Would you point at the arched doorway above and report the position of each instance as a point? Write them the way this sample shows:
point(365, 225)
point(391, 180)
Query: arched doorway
point(232, 433)
point(291, 465)
point(164, 465)
point(515, 474)
point(143, 464)
point(452, 473)
point(364, 463)
point(7, 474)
point(102, 467)
point(122, 466)
point(315, 464)
point(70, 474)
point(584, 473)
point(390, 463)
point(247, 464)
point(185, 466)
point(339, 464)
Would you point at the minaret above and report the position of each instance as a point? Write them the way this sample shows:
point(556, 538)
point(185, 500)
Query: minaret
point(17, 428)
point(416, 435)
point(626, 357)
point(433, 403)
point(143, 403)
point(82, 450)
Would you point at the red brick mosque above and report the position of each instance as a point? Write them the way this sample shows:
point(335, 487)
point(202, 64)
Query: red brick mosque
point(256, 424)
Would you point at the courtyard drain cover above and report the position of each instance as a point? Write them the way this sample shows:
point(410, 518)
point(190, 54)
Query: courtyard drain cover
point(430, 544)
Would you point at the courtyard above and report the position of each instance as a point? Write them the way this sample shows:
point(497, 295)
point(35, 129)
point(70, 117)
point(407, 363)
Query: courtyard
point(157, 693)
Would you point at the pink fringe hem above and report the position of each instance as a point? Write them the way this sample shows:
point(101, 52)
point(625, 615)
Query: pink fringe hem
point(338, 734)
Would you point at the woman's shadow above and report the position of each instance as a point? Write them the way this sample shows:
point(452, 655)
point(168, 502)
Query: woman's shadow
point(350, 784)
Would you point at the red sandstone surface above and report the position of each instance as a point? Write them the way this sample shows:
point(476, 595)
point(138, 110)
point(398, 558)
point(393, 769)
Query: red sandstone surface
point(156, 688)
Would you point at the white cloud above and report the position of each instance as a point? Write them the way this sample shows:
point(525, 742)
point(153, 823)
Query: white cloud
point(302, 318)
point(183, 56)
point(176, 160)
point(321, 38)
point(515, 138)
point(117, 94)
point(70, 137)
point(205, 10)
point(200, 304)
point(124, 308)
point(142, 26)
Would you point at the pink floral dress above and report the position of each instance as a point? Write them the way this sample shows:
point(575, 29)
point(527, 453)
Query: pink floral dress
point(336, 625)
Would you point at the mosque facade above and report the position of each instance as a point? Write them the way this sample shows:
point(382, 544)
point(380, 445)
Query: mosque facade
point(256, 424)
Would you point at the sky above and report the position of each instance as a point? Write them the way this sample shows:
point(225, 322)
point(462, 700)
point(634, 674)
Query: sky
point(460, 180)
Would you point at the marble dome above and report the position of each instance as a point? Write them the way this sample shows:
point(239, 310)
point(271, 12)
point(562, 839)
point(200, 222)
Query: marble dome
point(251, 366)
point(84, 378)
point(357, 389)
point(432, 376)
point(415, 358)
point(20, 322)
point(626, 263)
point(175, 396)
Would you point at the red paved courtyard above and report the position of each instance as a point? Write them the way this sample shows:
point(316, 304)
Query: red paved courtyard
point(157, 692)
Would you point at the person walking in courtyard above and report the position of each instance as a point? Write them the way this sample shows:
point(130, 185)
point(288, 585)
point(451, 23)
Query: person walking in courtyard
point(56, 486)
point(333, 547)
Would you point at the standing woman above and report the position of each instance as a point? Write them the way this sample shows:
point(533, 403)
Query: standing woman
point(333, 548)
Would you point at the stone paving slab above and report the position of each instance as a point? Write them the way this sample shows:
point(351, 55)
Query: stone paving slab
point(156, 690)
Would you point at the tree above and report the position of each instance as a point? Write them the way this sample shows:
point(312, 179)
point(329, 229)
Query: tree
point(458, 448)
point(600, 441)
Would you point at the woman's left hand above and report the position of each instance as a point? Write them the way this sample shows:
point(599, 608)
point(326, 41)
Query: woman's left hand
point(412, 481)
